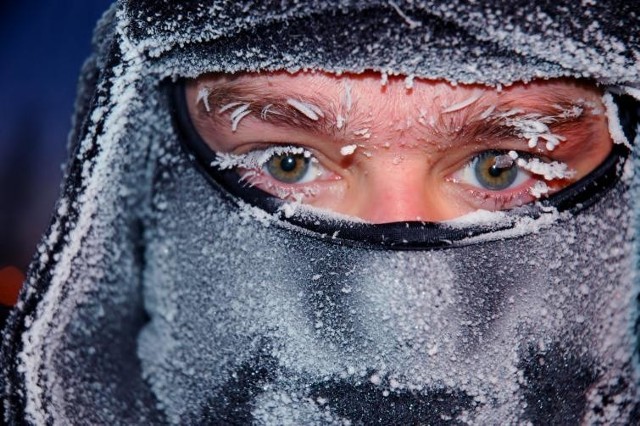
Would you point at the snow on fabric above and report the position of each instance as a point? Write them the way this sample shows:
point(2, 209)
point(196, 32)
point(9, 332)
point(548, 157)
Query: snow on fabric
point(253, 319)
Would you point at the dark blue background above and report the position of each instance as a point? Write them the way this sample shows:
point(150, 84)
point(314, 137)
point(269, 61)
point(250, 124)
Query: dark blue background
point(42, 45)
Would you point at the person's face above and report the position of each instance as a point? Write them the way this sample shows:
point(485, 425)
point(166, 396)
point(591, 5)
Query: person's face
point(400, 150)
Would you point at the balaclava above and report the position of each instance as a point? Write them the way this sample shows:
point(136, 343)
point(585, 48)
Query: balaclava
point(162, 294)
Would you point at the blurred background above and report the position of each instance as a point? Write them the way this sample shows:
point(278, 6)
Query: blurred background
point(43, 44)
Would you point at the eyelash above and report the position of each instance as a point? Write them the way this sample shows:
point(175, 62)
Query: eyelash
point(254, 170)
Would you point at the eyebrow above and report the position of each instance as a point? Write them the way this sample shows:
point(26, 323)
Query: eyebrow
point(313, 113)
point(556, 110)
point(282, 109)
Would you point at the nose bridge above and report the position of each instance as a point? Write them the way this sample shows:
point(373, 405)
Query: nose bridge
point(397, 189)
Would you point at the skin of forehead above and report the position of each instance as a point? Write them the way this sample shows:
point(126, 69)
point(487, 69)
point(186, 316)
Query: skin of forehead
point(394, 109)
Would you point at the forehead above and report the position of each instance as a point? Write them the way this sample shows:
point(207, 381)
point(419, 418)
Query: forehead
point(378, 102)
point(393, 93)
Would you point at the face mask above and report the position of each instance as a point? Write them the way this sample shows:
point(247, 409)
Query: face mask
point(166, 293)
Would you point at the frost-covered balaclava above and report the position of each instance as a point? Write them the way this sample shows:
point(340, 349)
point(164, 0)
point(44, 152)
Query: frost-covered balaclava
point(160, 296)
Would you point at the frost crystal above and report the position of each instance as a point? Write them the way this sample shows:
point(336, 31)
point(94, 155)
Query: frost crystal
point(364, 133)
point(412, 24)
point(254, 159)
point(348, 149)
point(615, 129)
point(465, 103)
point(309, 110)
point(408, 82)
point(203, 96)
point(347, 100)
point(486, 113)
point(238, 114)
point(473, 334)
point(384, 78)
point(549, 171)
point(503, 161)
point(229, 106)
point(539, 189)
point(533, 128)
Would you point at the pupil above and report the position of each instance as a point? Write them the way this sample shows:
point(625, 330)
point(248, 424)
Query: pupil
point(495, 171)
point(288, 163)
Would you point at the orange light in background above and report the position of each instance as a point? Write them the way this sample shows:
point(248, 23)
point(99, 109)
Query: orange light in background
point(11, 279)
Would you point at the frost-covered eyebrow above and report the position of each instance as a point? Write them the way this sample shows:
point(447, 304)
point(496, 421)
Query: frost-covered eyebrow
point(319, 114)
point(313, 113)
point(485, 120)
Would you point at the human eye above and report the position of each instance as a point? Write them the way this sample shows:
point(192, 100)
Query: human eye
point(498, 179)
point(286, 171)
point(292, 168)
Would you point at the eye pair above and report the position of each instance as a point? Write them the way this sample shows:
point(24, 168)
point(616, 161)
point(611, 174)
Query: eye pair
point(490, 170)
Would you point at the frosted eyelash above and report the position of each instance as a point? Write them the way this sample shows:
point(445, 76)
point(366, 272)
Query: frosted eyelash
point(549, 171)
point(255, 159)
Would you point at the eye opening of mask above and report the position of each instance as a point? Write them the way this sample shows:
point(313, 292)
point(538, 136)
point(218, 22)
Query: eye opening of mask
point(405, 235)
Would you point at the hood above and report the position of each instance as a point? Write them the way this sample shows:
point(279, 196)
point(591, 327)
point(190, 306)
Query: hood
point(160, 296)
